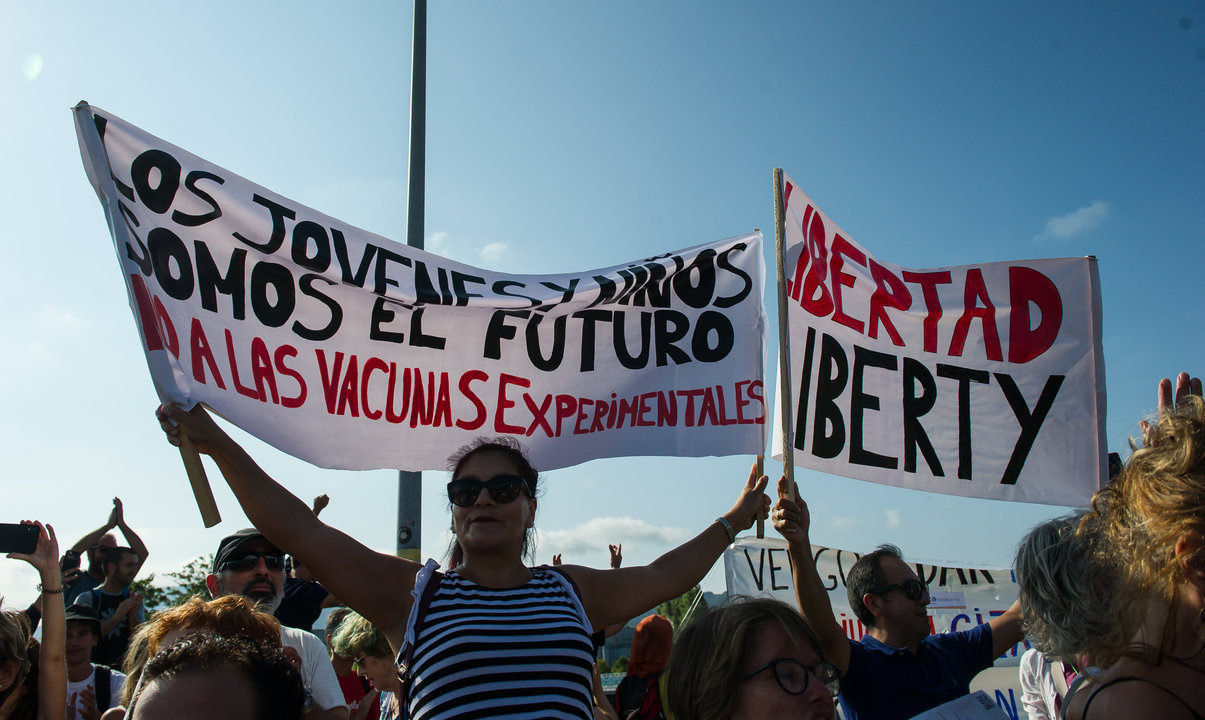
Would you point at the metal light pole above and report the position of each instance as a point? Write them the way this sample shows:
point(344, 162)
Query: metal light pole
point(410, 484)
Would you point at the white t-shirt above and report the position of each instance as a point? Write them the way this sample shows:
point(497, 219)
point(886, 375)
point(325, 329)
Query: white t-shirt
point(75, 709)
point(317, 671)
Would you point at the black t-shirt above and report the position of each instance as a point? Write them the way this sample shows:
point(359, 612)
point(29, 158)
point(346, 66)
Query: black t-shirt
point(301, 604)
point(111, 647)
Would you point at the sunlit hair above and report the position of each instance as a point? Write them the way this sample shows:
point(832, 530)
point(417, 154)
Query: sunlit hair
point(356, 636)
point(275, 681)
point(1065, 593)
point(14, 645)
point(866, 575)
point(134, 659)
point(229, 615)
point(707, 664)
point(1157, 497)
point(531, 478)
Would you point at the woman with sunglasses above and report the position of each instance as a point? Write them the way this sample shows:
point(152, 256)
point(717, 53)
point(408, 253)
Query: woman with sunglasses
point(752, 659)
point(496, 635)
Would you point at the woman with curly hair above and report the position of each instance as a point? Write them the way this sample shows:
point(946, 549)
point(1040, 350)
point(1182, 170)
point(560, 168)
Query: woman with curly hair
point(1152, 524)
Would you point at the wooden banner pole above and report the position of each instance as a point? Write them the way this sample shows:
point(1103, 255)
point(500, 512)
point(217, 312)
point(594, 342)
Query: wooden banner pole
point(761, 522)
point(200, 483)
point(784, 343)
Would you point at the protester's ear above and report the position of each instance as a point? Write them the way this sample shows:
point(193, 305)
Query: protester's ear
point(873, 603)
point(211, 582)
point(1190, 554)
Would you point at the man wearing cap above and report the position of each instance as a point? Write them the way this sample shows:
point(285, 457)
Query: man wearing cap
point(91, 689)
point(247, 564)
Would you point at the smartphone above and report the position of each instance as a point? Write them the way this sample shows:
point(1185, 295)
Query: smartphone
point(70, 561)
point(17, 538)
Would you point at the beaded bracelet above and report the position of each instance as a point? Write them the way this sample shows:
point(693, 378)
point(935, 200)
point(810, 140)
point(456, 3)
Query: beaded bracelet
point(45, 591)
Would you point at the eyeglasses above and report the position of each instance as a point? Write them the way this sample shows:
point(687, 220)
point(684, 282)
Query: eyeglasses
point(914, 589)
point(359, 662)
point(792, 675)
point(502, 488)
point(247, 562)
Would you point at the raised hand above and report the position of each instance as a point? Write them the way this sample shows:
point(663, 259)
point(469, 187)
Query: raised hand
point(791, 517)
point(752, 503)
point(616, 555)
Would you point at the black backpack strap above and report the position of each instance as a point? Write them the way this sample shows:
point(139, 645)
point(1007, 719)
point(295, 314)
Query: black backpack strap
point(103, 687)
point(418, 614)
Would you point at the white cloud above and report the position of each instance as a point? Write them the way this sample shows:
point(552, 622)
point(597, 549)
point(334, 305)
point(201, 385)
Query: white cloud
point(846, 522)
point(893, 518)
point(492, 252)
point(55, 320)
point(31, 68)
point(436, 242)
point(593, 537)
point(1077, 222)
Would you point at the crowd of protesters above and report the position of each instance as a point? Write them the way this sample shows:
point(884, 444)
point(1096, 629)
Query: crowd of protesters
point(1112, 598)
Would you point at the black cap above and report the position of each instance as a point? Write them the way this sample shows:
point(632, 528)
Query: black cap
point(85, 613)
point(232, 543)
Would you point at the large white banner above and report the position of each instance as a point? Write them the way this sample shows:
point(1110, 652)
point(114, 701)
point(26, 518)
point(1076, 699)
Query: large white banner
point(977, 380)
point(351, 351)
point(962, 598)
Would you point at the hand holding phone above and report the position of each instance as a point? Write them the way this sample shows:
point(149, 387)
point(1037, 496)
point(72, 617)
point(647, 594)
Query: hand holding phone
point(18, 538)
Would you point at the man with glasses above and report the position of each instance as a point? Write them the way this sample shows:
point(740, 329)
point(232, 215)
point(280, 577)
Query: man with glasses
point(898, 669)
point(247, 564)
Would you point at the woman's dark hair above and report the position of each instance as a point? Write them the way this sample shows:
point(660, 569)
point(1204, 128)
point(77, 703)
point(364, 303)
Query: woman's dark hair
point(704, 672)
point(531, 478)
point(279, 691)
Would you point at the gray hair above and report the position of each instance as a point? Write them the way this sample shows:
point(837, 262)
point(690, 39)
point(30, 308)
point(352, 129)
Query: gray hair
point(1065, 591)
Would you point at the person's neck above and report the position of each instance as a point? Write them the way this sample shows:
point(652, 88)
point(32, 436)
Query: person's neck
point(342, 665)
point(895, 639)
point(79, 672)
point(111, 585)
point(494, 571)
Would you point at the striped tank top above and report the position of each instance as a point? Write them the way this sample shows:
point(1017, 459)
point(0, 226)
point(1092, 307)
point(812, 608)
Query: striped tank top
point(521, 652)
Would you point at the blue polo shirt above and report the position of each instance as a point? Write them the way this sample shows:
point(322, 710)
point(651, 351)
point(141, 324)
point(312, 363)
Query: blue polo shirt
point(886, 683)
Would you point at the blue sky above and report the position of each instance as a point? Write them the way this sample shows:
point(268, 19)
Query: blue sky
point(565, 136)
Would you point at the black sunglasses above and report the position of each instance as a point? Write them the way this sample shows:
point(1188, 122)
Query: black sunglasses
point(502, 488)
point(914, 589)
point(272, 561)
point(792, 675)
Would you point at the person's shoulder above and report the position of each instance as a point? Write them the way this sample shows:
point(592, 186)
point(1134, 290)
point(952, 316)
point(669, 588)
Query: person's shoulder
point(297, 637)
point(1133, 696)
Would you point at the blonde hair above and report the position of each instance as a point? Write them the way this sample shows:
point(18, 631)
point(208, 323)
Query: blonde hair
point(356, 636)
point(1157, 498)
point(14, 644)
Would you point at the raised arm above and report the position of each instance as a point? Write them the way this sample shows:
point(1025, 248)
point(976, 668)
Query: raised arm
point(793, 521)
point(85, 543)
point(119, 520)
point(52, 657)
point(1006, 629)
point(612, 596)
point(374, 584)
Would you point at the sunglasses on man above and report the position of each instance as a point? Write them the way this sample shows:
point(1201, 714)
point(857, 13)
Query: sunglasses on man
point(914, 589)
point(503, 489)
point(247, 562)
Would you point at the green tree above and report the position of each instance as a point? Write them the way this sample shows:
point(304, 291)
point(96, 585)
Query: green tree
point(675, 610)
point(620, 665)
point(604, 667)
point(176, 586)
